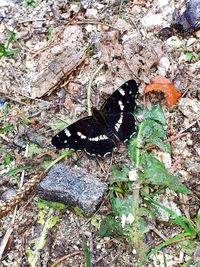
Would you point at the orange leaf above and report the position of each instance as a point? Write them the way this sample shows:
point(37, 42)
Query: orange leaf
point(160, 83)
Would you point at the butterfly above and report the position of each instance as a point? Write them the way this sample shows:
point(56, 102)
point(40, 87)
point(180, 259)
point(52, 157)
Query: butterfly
point(98, 134)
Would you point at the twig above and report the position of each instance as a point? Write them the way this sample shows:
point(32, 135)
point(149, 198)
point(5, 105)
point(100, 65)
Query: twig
point(10, 229)
point(65, 257)
point(89, 104)
point(8, 234)
point(159, 233)
point(95, 23)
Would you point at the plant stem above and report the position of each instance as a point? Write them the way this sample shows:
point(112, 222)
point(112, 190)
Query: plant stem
point(89, 103)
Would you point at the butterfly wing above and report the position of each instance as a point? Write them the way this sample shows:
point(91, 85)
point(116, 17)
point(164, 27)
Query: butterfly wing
point(118, 109)
point(121, 124)
point(122, 100)
point(85, 134)
point(74, 136)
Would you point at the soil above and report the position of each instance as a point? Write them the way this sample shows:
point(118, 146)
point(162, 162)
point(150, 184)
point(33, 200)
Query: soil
point(125, 36)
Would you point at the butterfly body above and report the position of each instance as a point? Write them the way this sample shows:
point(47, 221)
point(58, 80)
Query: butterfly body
point(98, 134)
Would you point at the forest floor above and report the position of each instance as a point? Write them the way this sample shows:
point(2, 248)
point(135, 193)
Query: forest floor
point(49, 52)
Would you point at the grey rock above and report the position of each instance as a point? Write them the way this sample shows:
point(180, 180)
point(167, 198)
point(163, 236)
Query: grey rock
point(8, 194)
point(189, 21)
point(72, 186)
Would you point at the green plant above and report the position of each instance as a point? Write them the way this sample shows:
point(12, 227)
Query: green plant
point(47, 219)
point(5, 50)
point(128, 186)
point(32, 3)
point(50, 33)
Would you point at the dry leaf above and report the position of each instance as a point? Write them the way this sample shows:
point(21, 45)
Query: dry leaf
point(160, 83)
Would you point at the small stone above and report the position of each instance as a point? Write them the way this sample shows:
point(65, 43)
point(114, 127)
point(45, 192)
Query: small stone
point(192, 166)
point(190, 108)
point(164, 215)
point(163, 3)
point(165, 158)
point(91, 13)
point(85, 3)
point(4, 3)
point(194, 67)
point(197, 148)
point(8, 194)
point(191, 41)
point(73, 187)
point(163, 66)
point(151, 20)
point(174, 42)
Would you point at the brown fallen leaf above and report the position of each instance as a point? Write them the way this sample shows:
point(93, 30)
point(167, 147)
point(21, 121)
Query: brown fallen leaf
point(160, 83)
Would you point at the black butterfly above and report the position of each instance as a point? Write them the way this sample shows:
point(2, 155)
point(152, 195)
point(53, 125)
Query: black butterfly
point(98, 134)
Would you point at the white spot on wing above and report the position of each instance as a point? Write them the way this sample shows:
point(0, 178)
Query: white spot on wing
point(82, 136)
point(98, 138)
point(118, 124)
point(67, 132)
point(122, 92)
point(121, 105)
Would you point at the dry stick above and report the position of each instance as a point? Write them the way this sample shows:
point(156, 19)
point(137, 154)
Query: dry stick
point(65, 257)
point(10, 229)
point(89, 103)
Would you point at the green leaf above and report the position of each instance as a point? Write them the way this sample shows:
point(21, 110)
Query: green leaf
point(6, 128)
point(10, 39)
point(188, 246)
point(95, 221)
point(41, 204)
point(154, 172)
point(110, 227)
point(14, 171)
point(58, 126)
point(119, 176)
point(50, 33)
point(156, 114)
point(121, 206)
point(7, 159)
point(198, 217)
point(188, 56)
point(26, 121)
point(53, 220)
point(86, 253)
point(152, 133)
point(34, 149)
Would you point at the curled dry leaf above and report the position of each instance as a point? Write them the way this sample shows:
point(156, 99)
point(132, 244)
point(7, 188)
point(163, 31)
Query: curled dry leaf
point(160, 83)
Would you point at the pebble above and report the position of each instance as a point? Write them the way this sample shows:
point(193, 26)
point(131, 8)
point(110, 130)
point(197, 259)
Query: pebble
point(152, 20)
point(195, 66)
point(165, 158)
point(163, 66)
point(190, 108)
point(192, 166)
point(72, 186)
point(175, 42)
point(91, 13)
point(7, 194)
point(163, 215)
point(190, 41)
point(4, 3)
point(163, 3)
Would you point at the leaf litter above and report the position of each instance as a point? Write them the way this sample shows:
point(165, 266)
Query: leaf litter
point(129, 50)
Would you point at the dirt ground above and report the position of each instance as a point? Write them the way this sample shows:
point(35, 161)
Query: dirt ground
point(43, 84)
